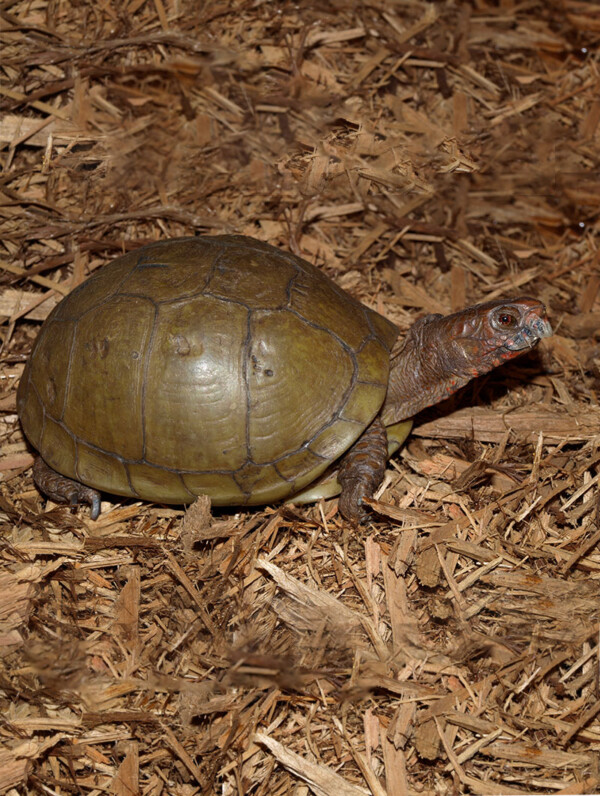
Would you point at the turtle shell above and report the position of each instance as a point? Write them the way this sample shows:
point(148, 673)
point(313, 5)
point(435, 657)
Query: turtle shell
point(213, 365)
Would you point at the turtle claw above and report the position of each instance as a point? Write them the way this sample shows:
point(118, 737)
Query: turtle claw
point(85, 495)
point(65, 490)
point(350, 502)
point(95, 505)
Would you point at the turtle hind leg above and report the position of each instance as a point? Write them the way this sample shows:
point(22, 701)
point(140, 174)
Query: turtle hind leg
point(64, 490)
point(361, 471)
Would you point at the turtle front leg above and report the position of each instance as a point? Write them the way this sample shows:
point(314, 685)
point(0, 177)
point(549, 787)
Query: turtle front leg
point(361, 471)
point(64, 490)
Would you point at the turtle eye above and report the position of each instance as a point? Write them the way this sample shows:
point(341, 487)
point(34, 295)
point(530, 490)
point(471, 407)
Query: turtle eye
point(506, 319)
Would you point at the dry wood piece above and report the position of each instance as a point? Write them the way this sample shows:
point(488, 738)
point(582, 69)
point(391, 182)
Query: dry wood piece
point(425, 157)
point(322, 781)
point(311, 605)
point(485, 425)
point(17, 592)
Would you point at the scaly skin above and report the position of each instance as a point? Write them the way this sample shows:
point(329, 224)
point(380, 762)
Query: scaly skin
point(64, 490)
point(362, 470)
point(440, 355)
point(443, 353)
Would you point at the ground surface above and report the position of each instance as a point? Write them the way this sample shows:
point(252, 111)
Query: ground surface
point(425, 157)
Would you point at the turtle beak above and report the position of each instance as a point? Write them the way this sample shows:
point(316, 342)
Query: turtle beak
point(540, 327)
point(534, 327)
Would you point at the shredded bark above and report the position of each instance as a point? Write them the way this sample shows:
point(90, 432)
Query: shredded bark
point(425, 157)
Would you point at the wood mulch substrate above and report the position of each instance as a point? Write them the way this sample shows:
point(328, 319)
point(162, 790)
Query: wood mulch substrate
point(426, 156)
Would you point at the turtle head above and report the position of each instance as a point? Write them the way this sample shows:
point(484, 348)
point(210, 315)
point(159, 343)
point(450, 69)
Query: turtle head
point(442, 353)
point(484, 336)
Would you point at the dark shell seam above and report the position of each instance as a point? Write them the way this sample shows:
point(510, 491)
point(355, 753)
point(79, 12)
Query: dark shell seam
point(290, 285)
point(367, 311)
point(77, 318)
point(128, 474)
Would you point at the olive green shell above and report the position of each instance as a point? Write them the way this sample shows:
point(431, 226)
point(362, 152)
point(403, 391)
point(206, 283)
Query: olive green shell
point(213, 365)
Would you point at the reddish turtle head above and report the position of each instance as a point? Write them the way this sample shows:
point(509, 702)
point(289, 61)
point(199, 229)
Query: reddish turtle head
point(442, 353)
point(480, 338)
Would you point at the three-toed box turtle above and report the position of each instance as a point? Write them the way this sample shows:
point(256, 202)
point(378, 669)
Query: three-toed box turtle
point(224, 366)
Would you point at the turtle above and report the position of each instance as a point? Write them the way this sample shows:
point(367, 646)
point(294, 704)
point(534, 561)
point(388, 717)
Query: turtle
point(227, 367)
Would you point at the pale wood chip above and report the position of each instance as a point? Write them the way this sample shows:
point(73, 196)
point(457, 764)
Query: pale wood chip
point(126, 781)
point(31, 306)
point(396, 779)
point(320, 778)
point(316, 601)
point(126, 610)
point(536, 755)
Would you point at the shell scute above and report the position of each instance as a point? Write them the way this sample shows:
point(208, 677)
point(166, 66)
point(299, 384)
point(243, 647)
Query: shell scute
point(106, 379)
point(99, 287)
point(287, 359)
point(52, 355)
point(155, 483)
point(335, 438)
point(359, 407)
point(318, 300)
point(58, 446)
point(170, 273)
point(102, 469)
point(258, 480)
point(221, 488)
point(255, 279)
point(195, 408)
